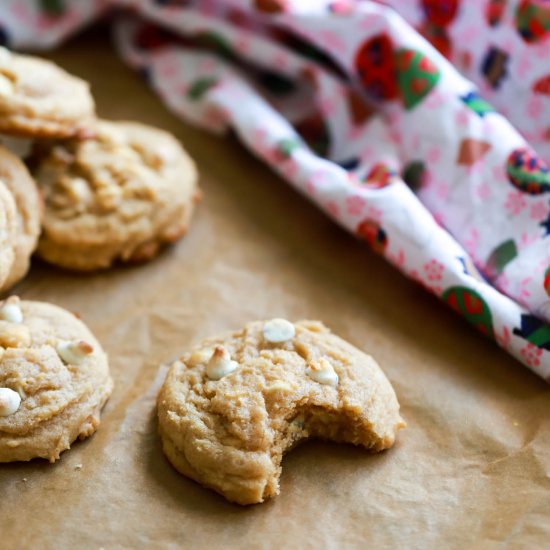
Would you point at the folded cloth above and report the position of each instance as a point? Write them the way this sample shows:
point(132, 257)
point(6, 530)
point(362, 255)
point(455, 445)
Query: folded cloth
point(360, 113)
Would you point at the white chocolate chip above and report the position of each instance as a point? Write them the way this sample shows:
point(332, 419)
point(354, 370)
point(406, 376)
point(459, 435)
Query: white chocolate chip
point(199, 357)
point(323, 372)
point(11, 310)
point(277, 331)
point(73, 352)
point(220, 364)
point(9, 401)
point(5, 55)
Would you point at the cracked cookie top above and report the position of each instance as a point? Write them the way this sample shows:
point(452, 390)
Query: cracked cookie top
point(113, 194)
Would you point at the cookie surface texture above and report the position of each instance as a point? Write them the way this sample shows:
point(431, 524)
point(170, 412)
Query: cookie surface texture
point(231, 407)
point(8, 233)
point(29, 208)
point(118, 195)
point(39, 99)
point(54, 380)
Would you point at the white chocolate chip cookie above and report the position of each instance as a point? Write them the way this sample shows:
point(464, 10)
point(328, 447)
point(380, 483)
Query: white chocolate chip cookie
point(54, 380)
point(39, 99)
point(8, 233)
point(228, 427)
point(29, 207)
point(117, 195)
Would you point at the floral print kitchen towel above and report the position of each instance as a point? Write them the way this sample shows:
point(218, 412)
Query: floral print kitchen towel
point(421, 126)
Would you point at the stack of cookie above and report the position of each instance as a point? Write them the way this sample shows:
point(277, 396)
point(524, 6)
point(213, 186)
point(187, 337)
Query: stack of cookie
point(112, 190)
point(91, 193)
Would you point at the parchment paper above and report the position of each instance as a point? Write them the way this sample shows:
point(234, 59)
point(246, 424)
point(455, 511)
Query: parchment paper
point(470, 471)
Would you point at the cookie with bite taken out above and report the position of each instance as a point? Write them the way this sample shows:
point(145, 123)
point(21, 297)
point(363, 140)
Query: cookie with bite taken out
point(233, 405)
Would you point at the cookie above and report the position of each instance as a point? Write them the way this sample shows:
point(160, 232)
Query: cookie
point(119, 195)
point(54, 380)
point(8, 232)
point(231, 407)
point(39, 99)
point(29, 213)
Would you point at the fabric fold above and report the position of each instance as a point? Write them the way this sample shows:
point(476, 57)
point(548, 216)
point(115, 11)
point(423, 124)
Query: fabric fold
point(363, 116)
